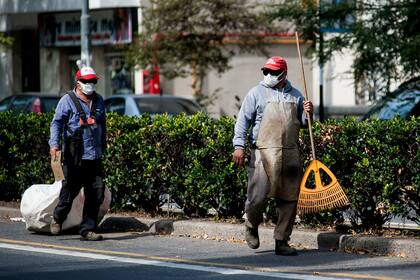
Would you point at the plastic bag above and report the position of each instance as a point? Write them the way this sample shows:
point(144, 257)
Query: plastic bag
point(38, 203)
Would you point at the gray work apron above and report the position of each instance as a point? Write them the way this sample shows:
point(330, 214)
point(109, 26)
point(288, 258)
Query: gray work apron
point(277, 142)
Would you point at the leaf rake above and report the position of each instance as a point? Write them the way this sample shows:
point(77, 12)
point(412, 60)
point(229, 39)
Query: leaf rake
point(319, 197)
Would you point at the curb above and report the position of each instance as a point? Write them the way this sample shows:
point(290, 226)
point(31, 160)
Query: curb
point(395, 247)
point(9, 212)
point(320, 240)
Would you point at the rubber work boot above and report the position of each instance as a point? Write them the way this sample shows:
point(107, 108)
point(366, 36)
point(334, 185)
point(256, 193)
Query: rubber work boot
point(283, 249)
point(91, 236)
point(55, 227)
point(251, 237)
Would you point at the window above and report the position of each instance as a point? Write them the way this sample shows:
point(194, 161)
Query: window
point(401, 105)
point(115, 105)
point(149, 105)
point(4, 104)
point(161, 105)
point(22, 103)
point(176, 106)
point(49, 103)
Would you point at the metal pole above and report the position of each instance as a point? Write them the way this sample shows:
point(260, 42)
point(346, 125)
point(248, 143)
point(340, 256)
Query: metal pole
point(321, 66)
point(85, 43)
point(321, 77)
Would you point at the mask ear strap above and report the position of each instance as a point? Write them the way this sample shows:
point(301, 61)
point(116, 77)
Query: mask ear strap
point(283, 78)
point(281, 74)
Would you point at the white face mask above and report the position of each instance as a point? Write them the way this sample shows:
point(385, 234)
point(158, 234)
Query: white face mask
point(272, 81)
point(87, 88)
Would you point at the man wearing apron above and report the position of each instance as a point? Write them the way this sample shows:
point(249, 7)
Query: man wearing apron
point(275, 111)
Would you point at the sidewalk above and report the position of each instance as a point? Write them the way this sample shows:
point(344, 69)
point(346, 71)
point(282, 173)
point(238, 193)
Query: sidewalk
point(307, 239)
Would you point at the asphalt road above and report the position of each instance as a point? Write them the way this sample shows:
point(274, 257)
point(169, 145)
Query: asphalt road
point(142, 255)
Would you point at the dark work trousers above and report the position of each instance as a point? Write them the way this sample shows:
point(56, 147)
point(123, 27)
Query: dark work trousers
point(88, 176)
point(257, 195)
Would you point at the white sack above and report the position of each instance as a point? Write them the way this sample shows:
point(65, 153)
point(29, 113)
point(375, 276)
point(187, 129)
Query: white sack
point(38, 203)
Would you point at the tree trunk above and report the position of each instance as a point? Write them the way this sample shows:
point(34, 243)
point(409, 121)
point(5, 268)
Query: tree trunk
point(194, 77)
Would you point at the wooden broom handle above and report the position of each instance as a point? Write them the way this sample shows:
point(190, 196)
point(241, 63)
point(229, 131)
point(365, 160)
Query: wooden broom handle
point(306, 97)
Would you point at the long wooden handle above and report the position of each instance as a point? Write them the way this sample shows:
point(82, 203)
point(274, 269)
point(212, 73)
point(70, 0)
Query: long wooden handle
point(306, 97)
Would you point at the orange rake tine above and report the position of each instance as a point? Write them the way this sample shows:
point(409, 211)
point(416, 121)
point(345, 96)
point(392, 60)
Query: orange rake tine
point(320, 197)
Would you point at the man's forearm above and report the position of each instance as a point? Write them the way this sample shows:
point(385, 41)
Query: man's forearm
point(55, 132)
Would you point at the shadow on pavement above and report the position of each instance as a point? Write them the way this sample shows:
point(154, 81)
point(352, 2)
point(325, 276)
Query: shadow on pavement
point(122, 224)
point(313, 260)
point(130, 235)
point(131, 224)
point(310, 258)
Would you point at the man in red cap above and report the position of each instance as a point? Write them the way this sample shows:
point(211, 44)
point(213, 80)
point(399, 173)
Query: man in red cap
point(275, 111)
point(79, 121)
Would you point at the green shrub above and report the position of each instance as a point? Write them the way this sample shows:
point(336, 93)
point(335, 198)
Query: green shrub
point(189, 157)
point(127, 164)
point(24, 153)
point(377, 163)
point(209, 179)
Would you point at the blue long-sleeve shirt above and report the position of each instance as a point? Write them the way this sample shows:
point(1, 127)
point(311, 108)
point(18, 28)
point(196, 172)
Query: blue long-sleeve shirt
point(67, 116)
point(253, 106)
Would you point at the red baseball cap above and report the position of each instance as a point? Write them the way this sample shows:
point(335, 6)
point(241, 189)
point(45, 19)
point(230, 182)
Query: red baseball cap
point(86, 73)
point(275, 63)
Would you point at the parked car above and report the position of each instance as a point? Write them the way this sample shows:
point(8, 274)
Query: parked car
point(404, 101)
point(136, 104)
point(29, 102)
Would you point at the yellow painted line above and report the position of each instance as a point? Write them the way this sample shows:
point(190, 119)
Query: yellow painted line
point(187, 261)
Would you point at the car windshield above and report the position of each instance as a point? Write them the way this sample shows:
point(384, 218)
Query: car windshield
point(49, 103)
point(22, 103)
point(4, 104)
point(146, 105)
point(178, 106)
point(162, 105)
point(401, 105)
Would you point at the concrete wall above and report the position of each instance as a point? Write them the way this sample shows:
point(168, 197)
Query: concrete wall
point(6, 70)
point(339, 89)
point(99, 64)
point(244, 74)
point(338, 81)
point(50, 61)
point(57, 69)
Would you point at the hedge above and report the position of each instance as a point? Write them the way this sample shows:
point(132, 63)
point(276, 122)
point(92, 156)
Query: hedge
point(189, 157)
point(185, 157)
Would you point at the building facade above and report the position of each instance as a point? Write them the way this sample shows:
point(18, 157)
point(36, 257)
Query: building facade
point(47, 45)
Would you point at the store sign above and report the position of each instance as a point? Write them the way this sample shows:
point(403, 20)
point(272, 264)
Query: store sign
point(107, 27)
